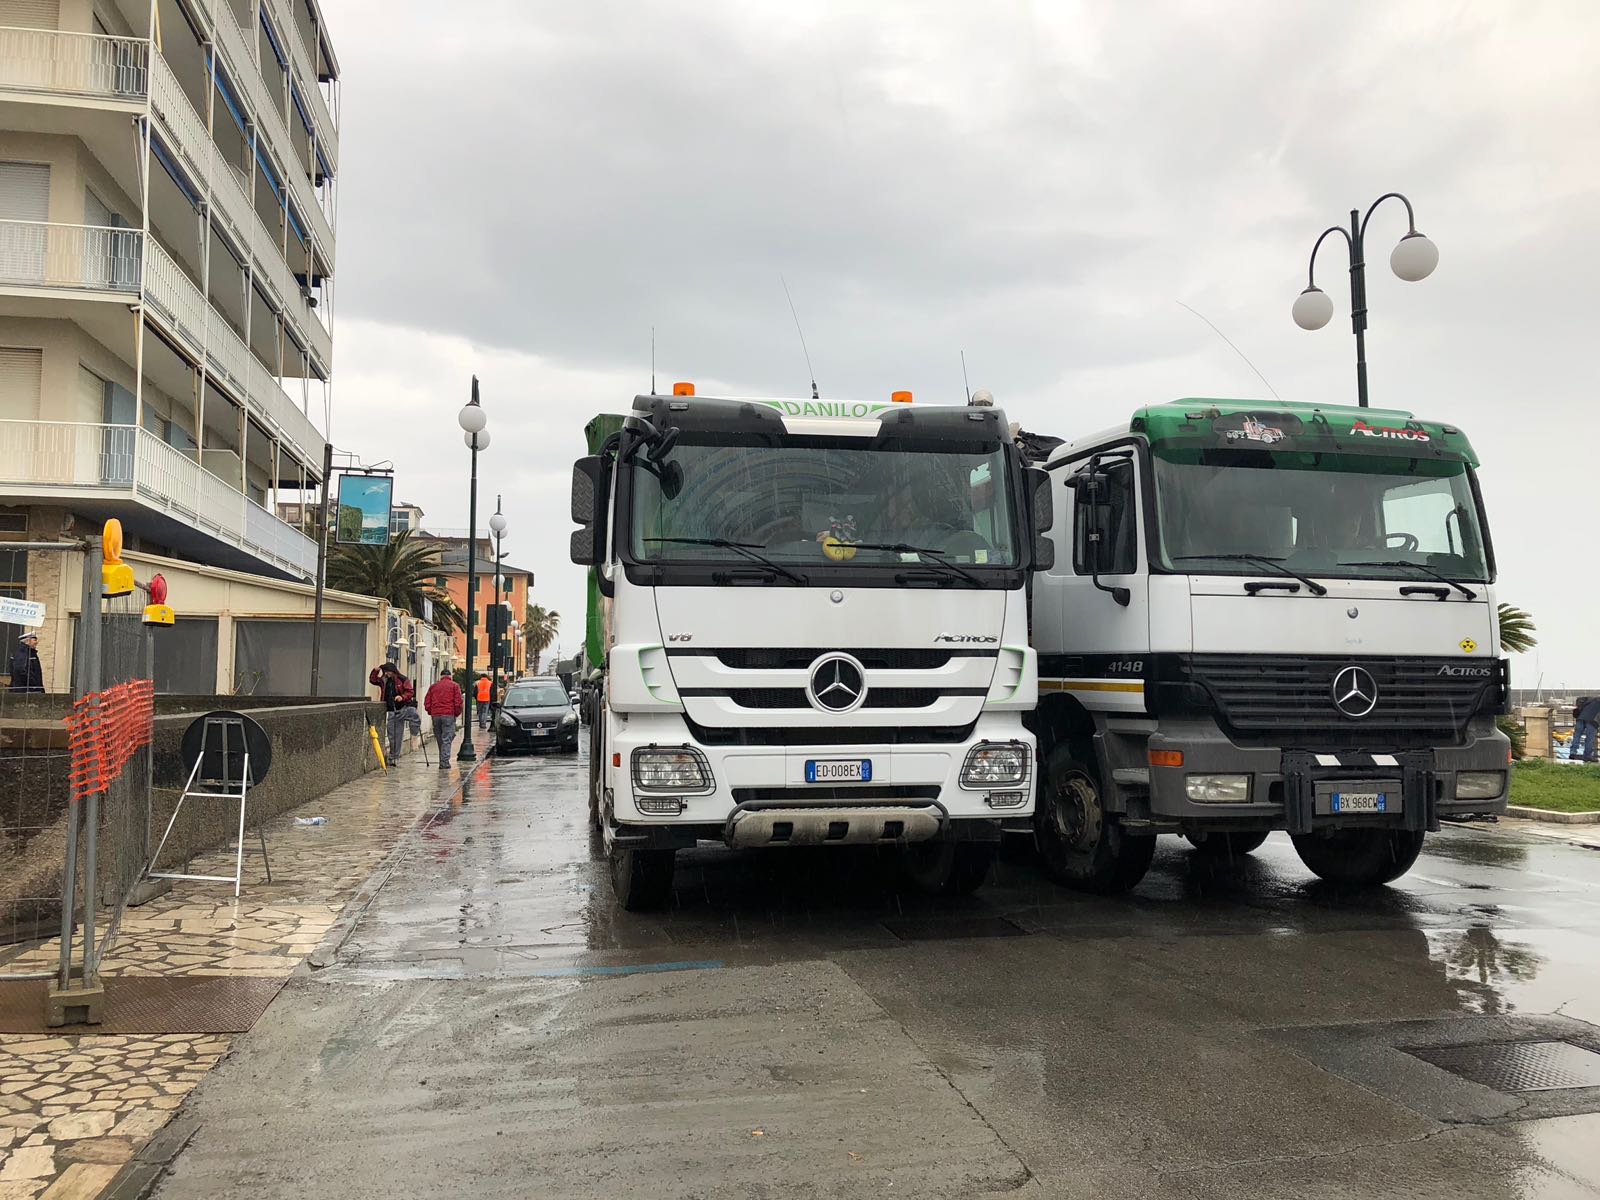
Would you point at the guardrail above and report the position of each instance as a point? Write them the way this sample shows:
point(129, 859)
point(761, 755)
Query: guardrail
point(45, 254)
point(73, 64)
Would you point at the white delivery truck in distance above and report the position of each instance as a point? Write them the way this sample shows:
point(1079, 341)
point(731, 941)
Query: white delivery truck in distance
point(1261, 617)
point(814, 631)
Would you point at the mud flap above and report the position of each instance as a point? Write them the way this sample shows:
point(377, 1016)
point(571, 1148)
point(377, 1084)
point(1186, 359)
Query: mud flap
point(1303, 771)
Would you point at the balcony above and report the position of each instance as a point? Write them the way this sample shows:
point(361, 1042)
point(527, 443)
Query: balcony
point(127, 472)
point(38, 256)
point(75, 66)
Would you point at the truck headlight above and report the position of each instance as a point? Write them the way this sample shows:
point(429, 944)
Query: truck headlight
point(995, 764)
point(670, 769)
point(1218, 789)
point(1480, 785)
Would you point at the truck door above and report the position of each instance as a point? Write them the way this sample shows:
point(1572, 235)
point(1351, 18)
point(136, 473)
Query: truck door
point(1102, 585)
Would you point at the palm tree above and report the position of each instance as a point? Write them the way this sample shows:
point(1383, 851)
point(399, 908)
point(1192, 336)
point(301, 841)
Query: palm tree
point(1516, 630)
point(539, 630)
point(402, 573)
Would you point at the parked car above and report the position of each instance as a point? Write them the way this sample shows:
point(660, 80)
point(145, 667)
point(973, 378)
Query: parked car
point(536, 715)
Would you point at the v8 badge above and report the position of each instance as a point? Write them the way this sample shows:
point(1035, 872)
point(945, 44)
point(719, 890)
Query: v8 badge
point(1468, 645)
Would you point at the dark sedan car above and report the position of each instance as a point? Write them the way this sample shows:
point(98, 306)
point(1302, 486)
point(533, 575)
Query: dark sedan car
point(536, 715)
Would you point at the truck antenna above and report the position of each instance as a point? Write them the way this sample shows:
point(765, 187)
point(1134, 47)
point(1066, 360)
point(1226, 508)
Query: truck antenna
point(1235, 349)
point(652, 360)
point(964, 382)
point(802, 334)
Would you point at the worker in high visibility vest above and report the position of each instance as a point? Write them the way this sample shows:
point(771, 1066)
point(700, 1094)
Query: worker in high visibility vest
point(485, 696)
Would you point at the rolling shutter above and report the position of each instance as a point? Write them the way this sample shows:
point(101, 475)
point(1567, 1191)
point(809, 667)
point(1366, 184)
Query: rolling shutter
point(19, 384)
point(24, 190)
point(31, 14)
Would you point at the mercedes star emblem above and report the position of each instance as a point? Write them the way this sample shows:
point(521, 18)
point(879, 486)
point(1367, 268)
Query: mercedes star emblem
point(837, 684)
point(1355, 692)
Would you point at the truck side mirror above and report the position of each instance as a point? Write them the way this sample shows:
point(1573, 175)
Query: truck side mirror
point(588, 476)
point(1044, 513)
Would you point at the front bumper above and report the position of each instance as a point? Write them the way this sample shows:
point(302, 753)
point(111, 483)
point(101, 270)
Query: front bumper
point(1289, 789)
point(520, 737)
point(748, 779)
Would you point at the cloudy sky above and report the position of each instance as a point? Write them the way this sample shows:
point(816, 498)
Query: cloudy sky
point(528, 188)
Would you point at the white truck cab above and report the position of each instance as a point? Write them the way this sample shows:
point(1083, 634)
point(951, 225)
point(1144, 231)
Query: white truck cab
point(813, 630)
point(1264, 616)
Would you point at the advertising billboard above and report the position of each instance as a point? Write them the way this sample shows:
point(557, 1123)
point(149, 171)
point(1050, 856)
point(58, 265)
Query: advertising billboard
point(364, 502)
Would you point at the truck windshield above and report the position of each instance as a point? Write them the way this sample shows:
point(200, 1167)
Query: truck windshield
point(1324, 515)
point(806, 501)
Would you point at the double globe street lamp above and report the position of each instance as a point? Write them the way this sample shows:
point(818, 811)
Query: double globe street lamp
point(1412, 259)
point(474, 422)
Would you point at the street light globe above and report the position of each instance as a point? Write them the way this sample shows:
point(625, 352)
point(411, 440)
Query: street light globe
point(1414, 257)
point(1312, 308)
point(476, 441)
point(472, 418)
point(498, 524)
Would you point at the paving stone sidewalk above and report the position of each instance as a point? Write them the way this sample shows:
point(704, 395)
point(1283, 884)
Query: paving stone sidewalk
point(74, 1108)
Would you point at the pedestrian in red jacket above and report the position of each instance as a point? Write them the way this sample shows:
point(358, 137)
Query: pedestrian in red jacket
point(399, 698)
point(444, 704)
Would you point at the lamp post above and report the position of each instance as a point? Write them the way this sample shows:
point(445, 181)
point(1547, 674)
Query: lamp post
point(473, 424)
point(497, 526)
point(1413, 258)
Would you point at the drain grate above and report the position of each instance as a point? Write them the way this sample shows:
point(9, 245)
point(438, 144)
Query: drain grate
point(150, 1004)
point(1518, 1066)
point(936, 929)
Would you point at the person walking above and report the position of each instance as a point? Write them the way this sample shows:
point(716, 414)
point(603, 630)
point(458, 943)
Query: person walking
point(444, 704)
point(27, 675)
point(397, 693)
point(1586, 717)
point(485, 698)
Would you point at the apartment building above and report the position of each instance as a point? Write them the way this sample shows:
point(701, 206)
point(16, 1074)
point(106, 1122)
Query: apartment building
point(167, 199)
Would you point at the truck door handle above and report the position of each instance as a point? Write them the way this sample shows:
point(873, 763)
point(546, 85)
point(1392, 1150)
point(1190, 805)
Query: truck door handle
point(1271, 585)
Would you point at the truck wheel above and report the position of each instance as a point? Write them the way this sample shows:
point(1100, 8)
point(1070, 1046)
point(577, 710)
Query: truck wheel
point(1359, 857)
point(642, 878)
point(597, 743)
point(1080, 847)
point(1225, 847)
point(946, 868)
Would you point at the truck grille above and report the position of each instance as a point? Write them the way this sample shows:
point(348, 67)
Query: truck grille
point(780, 658)
point(834, 735)
point(877, 697)
point(1290, 699)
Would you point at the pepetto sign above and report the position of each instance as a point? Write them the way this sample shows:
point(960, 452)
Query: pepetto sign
point(21, 612)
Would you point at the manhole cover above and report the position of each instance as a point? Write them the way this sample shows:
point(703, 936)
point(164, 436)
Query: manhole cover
point(1518, 1066)
point(150, 1004)
point(933, 929)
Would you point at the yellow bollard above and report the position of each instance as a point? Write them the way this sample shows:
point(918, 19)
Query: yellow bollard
point(377, 746)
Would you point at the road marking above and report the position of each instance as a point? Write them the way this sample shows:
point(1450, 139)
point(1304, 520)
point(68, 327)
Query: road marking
point(639, 969)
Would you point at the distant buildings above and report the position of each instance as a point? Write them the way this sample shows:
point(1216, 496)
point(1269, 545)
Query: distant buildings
point(515, 588)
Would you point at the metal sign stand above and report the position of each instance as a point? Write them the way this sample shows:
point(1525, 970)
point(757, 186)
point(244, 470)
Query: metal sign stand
point(223, 735)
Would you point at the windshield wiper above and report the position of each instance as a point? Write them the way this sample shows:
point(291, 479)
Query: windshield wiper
point(748, 549)
point(1429, 571)
point(1272, 564)
point(934, 556)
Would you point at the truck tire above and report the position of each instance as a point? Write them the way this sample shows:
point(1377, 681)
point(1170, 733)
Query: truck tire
point(597, 743)
point(946, 868)
point(641, 878)
point(1359, 857)
point(1225, 847)
point(1080, 847)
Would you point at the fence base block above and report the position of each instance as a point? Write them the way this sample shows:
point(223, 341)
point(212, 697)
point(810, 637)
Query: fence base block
point(76, 1005)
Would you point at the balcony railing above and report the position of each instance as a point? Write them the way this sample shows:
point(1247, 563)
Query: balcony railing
point(53, 61)
point(178, 302)
point(128, 459)
point(92, 258)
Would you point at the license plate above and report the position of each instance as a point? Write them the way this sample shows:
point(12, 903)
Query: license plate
point(1357, 802)
point(838, 770)
point(538, 732)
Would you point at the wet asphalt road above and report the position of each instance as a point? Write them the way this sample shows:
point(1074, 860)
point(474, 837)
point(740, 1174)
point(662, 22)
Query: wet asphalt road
point(796, 1026)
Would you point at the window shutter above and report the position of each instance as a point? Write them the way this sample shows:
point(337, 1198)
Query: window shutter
point(19, 384)
point(31, 14)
